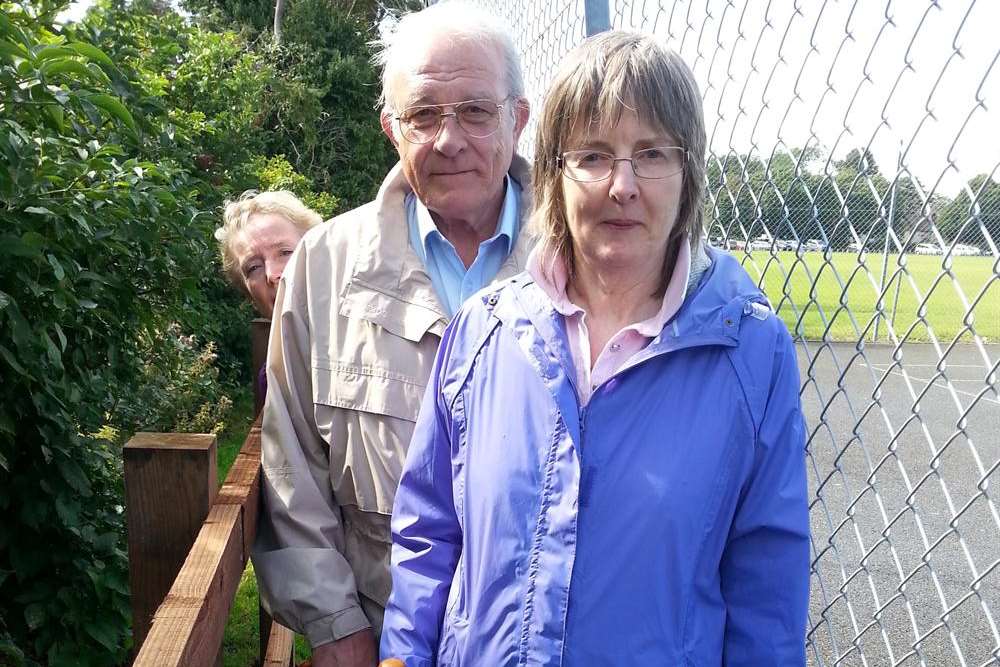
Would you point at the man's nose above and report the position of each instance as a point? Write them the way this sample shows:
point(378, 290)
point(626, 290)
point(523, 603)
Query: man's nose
point(451, 138)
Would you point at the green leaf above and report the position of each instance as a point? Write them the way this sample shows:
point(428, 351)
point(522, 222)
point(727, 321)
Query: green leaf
point(34, 239)
point(13, 246)
point(57, 268)
point(106, 542)
point(12, 360)
point(50, 52)
point(52, 351)
point(92, 52)
point(70, 66)
point(104, 632)
point(68, 511)
point(113, 107)
point(34, 615)
point(9, 650)
point(61, 336)
point(57, 116)
point(74, 476)
point(10, 50)
point(39, 210)
point(4, 300)
point(9, 29)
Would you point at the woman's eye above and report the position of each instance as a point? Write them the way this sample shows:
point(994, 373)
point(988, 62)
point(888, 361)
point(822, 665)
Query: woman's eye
point(651, 154)
point(591, 158)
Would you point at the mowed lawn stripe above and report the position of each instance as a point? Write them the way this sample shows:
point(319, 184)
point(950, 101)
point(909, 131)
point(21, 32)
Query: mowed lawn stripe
point(805, 289)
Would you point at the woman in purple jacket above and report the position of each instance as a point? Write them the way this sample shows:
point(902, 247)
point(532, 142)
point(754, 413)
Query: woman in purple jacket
point(609, 463)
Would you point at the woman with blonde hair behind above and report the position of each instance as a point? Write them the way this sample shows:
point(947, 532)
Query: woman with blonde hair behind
point(609, 465)
point(260, 230)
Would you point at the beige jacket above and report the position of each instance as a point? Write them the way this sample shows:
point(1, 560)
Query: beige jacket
point(357, 323)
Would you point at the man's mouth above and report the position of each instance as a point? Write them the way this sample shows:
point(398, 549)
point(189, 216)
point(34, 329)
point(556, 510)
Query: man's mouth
point(451, 173)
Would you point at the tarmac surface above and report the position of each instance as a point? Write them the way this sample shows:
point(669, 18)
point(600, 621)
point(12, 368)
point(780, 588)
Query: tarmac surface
point(904, 471)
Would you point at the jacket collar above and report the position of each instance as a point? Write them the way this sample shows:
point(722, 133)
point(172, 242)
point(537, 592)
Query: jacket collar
point(710, 315)
point(389, 285)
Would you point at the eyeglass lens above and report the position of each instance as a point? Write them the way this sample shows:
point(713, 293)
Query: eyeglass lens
point(478, 118)
point(661, 162)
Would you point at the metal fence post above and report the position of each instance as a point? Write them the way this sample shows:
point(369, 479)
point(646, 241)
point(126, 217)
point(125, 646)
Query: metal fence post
point(597, 16)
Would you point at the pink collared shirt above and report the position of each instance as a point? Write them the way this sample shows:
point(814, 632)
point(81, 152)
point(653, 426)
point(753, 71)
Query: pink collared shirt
point(549, 272)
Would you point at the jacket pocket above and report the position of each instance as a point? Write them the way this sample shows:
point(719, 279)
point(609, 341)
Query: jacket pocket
point(366, 415)
point(367, 389)
point(367, 546)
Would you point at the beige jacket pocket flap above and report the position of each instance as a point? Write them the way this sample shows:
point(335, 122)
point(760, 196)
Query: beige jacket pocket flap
point(367, 389)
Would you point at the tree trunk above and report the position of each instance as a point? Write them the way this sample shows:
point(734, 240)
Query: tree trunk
point(279, 11)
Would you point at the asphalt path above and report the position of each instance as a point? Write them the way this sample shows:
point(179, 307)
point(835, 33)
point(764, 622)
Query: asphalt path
point(905, 484)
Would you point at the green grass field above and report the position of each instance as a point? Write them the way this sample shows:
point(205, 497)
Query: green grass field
point(808, 292)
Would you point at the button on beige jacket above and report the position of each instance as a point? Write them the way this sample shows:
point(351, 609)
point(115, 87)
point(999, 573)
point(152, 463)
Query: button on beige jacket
point(356, 326)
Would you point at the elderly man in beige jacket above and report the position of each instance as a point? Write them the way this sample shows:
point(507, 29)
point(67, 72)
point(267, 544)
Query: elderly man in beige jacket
point(361, 309)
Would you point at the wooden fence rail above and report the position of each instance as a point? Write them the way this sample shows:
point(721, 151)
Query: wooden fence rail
point(189, 544)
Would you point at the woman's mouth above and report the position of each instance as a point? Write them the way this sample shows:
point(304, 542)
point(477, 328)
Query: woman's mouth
point(622, 223)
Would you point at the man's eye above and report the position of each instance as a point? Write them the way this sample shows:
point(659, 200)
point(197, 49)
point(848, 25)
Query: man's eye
point(424, 116)
point(251, 269)
point(475, 110)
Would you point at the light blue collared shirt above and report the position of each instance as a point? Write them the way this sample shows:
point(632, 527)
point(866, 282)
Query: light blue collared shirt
point(451, 280)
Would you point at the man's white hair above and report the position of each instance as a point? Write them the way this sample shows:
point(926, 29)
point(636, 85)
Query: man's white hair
point(394, 47)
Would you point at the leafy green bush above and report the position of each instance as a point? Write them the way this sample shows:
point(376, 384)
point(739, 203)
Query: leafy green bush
point(177, 389)
point(275, 173)
point(102, 238)
point(120, 138)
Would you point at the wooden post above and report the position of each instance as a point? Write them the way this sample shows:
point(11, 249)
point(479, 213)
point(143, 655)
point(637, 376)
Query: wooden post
point(260, 331)
point(280, 647)
point(170, 485)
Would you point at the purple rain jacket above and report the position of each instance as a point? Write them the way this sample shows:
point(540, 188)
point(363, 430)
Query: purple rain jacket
point(666, 521)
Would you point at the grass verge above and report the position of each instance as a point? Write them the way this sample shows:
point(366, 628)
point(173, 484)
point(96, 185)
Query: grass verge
point(838, 297)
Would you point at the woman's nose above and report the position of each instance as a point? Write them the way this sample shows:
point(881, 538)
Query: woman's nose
point(624, 184)
point(274, 270)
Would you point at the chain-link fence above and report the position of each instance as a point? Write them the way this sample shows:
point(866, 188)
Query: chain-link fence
point(853, 167)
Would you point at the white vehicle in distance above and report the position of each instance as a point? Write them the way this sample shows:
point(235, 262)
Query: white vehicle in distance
point(965, 249)
point(786, 244)
point(760, 243)
point(813, 245)
point(927, 249)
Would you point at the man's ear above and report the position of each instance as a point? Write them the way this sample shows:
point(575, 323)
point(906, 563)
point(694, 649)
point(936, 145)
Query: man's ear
point(385, 118)
point(522, 111)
